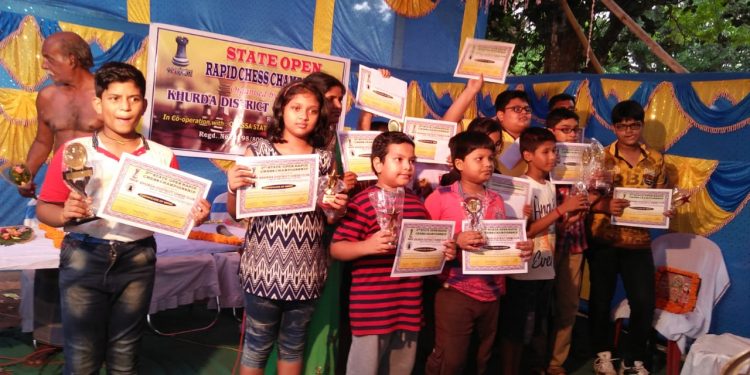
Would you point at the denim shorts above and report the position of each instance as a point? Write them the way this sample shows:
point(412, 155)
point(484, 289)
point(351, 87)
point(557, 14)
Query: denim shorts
point(269, 321)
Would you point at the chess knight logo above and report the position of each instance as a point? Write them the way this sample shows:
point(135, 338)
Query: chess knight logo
point(180, 57)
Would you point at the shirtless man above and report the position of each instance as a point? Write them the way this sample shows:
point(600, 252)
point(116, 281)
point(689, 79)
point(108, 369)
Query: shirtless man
point(65, 111)
point(64, 108)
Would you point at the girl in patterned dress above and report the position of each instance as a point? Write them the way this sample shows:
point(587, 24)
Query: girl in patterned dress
point(284, 264)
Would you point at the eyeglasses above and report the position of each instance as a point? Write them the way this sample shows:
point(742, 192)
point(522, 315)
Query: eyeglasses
point(569, 130)
point(633, 126)
point(519, 109)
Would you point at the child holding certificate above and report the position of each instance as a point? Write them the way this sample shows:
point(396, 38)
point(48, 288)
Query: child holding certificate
point(284, 265)
point(526, 304)
point(624, 250)
point(385, 312)
point(106, 268)
point(467, 304)
point(571, 243)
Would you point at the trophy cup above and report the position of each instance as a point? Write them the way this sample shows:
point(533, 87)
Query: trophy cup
point(15, 172)
point(388, 205)
point(597, 173)
point(474, 209)
point(329, 186)
point(76, 174)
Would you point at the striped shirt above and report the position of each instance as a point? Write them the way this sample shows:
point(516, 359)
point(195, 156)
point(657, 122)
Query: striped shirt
point(378, 303)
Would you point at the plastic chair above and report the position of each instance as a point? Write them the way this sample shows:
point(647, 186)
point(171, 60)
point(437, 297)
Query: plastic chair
point(694, 253)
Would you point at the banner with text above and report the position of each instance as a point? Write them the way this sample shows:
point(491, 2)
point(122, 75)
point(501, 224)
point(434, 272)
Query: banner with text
point(208, 93)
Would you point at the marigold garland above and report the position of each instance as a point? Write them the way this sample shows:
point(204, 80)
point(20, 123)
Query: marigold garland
point(54, 234)
point(215, 237)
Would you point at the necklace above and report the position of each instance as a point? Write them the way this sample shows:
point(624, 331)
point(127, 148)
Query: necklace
point(119, 142)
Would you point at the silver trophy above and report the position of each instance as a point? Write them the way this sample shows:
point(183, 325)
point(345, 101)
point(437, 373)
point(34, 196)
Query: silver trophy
point(388, 205)
point(597, 170)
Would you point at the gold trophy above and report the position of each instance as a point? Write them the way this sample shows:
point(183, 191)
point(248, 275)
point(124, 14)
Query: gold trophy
point(474, 211)
point(76, 174)
point(328, 187)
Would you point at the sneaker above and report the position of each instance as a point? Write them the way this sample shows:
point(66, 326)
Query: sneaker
point(603, 364)
point(637, 369)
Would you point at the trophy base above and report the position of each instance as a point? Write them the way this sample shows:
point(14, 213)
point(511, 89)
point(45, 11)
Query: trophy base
point(81, 220)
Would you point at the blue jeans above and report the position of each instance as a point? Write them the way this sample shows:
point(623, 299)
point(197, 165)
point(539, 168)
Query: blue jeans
point(268, 321)
point(105, 291)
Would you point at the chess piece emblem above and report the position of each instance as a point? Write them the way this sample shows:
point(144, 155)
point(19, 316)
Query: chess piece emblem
point(180, 56)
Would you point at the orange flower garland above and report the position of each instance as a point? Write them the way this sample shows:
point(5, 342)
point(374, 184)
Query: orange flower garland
point(54, 234)
point(215, 237)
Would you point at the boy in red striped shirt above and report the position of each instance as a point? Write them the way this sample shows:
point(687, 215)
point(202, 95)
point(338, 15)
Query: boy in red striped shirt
point(385, 312)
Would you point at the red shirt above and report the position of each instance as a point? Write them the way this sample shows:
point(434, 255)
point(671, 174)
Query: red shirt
point(379, 303)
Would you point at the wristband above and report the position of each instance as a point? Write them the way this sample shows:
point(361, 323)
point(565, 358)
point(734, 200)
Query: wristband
point(230, 191)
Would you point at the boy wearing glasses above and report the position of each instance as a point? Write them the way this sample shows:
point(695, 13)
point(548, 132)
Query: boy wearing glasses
point(624, 250)
point(569, 248)
point(514, 115)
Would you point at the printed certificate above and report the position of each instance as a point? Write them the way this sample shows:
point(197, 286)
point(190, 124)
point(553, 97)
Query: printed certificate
point(516, 193)
point(356, 147)
point(500, 255)
point(431, 138)
point(283, 185)
point(569, 165)
point(486, 57)
point(647, 207)
point(382, 96)
point(153, 197)
point(420, 247)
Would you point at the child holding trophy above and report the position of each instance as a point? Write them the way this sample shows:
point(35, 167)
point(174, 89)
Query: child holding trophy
point(467, 304)
point(386, 312)
point(106, 268)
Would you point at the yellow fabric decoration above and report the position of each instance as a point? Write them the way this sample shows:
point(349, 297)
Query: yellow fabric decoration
point(584, 103)
point(701, 215)
point(666, 123)
point(139, 11)
point(18, 107)
point(15, 140)
point(469, 23)
point(18, 57)
point(710, 91)
point(104, 38)
point(222, 164)
point(548, 90)
point(620, 89)
point(415, 103)
point(412, 8)
point(492, 90)
point(140, 57)
point(323, 26)
point(453, 90)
